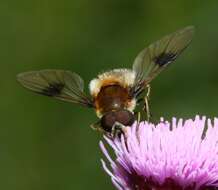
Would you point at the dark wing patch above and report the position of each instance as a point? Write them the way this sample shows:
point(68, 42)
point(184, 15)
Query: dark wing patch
point(157, 56)
point(53, 89)
point(164, 58)
point(59, 84)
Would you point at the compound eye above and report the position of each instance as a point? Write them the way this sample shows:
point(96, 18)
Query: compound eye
point(108, 120)
point(125, 117)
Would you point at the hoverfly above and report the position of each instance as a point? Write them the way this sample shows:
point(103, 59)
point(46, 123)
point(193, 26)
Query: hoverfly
point(114, 94)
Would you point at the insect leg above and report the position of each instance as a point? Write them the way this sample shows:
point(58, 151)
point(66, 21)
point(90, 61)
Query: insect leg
point(138, 117)
point(146, 103)
point(96, 126)
point(117, 129)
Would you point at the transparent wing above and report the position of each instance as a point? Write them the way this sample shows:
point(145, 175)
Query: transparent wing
point(157, 56)
point(59, 84)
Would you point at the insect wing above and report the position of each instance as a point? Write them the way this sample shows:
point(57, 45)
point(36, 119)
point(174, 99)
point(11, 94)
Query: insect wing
point(59, 84)
point(157, 56)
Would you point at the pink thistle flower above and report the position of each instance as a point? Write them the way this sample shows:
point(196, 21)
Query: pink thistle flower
point(166, 156)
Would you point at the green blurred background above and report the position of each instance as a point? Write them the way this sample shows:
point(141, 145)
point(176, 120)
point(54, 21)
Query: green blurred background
point(48, 145)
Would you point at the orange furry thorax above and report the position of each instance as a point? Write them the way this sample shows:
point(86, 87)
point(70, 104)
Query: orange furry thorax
point(110, 91)
point(111, 97)
point(109, 82)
